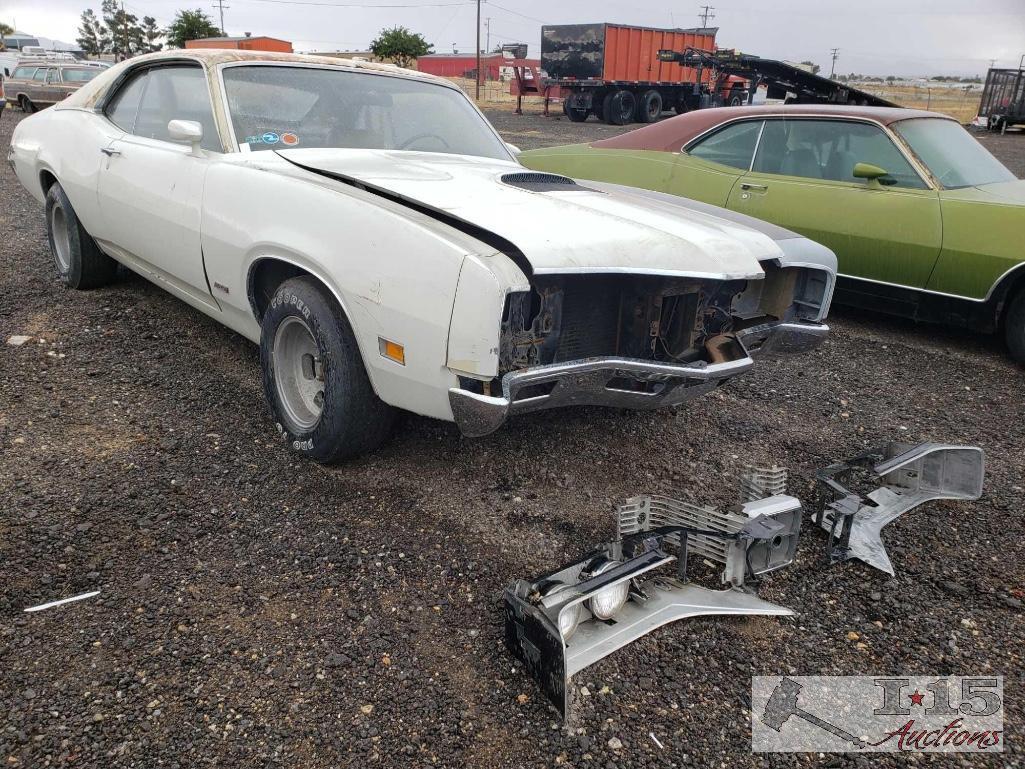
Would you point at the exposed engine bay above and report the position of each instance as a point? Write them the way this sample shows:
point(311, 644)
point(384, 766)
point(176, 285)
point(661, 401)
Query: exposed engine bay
point(645, 317)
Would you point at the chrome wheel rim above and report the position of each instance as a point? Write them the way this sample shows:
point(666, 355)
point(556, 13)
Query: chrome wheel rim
point(298, 373)
point(61, 239)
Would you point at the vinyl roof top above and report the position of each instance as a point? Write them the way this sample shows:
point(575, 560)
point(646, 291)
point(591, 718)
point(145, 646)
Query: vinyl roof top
point(671, 134)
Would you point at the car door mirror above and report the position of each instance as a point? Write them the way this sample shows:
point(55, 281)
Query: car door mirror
point(873, 174)
point(186, 132)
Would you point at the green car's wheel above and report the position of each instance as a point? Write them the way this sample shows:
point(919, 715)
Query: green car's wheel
point(1014, 327)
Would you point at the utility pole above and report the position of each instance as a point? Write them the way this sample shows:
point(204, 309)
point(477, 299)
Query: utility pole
point(219, 4)
point(487, 26)
point(835, 53)
point(478, 52)
point(706, 14)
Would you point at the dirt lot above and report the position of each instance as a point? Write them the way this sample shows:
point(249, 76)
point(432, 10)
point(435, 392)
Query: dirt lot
point(258, 610)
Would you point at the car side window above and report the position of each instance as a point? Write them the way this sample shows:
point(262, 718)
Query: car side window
point(53, 76)
point(24, 73)
point(124, 106)
point(829, 150)
point(176, 93)
point(40, 75)
point(732, 145)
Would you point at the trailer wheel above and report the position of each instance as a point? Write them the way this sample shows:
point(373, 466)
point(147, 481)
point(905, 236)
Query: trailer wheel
point(649, 108)
point(619, 107)
point(575, 114)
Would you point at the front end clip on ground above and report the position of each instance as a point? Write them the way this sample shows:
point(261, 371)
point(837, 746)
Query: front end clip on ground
point(567, 620)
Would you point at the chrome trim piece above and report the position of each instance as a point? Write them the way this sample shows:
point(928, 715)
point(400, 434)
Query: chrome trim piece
point(989, 294)
point(586, 382)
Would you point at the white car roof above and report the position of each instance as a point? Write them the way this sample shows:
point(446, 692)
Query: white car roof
point(92, 92)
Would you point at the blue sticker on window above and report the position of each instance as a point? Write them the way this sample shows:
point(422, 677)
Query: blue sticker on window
point(270, 138)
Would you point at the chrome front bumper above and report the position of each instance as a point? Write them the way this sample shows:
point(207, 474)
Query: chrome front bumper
point(593, 381)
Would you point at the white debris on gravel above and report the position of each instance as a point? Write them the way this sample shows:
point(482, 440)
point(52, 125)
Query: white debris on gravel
point(63, 601)
point(17, 340)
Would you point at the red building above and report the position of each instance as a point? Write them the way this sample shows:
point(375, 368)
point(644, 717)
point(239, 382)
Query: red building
point(246, 43)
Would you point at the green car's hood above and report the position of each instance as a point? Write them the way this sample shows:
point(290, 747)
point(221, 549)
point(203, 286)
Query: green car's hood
point(1005, 193)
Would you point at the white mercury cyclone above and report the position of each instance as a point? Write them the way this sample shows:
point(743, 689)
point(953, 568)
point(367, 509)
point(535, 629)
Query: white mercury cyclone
point(369, 229)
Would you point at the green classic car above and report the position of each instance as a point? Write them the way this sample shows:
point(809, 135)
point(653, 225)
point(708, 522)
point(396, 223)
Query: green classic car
point(924, 221)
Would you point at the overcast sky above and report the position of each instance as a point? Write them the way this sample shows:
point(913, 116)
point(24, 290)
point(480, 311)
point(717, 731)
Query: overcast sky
point(881, 37)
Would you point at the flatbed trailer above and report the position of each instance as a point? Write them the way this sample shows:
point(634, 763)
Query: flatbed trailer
point(782, 81)
point(1003, 99)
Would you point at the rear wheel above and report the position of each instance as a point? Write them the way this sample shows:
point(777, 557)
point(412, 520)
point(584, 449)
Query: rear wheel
point(619, 107)
point(575, 114)
point(649, 108)
point(1014, 327)
point(314, 378)
point(78, 259)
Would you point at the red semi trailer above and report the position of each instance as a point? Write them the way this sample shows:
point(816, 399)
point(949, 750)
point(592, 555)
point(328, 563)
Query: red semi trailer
point(613, 71)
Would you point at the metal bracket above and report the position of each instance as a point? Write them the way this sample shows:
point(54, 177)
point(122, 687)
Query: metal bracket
point(911, 475)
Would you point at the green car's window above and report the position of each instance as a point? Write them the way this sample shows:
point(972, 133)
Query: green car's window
point(731, 146)
point(954, 157)
point(829, 150)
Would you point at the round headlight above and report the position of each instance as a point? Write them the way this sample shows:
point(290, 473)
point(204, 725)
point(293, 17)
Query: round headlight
point(569, 617)
point(606, 602)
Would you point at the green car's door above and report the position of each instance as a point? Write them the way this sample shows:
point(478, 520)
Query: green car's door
point(888, 230)
point(710, 167)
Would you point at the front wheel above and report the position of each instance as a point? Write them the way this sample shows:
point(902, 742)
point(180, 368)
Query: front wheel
point(27, 105)
point(78, 259)
point(314, 377)
point(1014, 327)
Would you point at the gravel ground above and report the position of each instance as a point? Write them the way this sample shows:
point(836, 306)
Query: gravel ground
point(256, 610)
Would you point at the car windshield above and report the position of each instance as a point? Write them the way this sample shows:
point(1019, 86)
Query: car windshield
point(79, 75)
point(276, 107)
point(953, 156)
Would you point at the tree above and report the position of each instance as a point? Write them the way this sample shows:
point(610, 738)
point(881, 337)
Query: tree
point(814, 67)
point(400, 45)
point(89, 34)
point(124, 33)
point(151, 33)
point(190, 25)
point(5, 30)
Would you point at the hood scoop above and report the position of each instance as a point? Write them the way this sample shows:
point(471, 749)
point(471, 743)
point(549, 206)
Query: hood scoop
point(541, 182)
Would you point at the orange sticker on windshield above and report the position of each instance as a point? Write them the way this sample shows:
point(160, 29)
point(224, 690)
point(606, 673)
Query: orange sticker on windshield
point(289, 138)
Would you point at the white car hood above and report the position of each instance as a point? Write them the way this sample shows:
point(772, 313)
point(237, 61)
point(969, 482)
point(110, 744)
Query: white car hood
point(576, 230)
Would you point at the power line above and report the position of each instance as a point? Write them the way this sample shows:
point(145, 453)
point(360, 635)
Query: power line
point(516, 13)
point(706, 14)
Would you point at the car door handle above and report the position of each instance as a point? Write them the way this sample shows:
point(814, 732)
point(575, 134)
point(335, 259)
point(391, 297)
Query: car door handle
point(110, 152)
point(755, 187)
